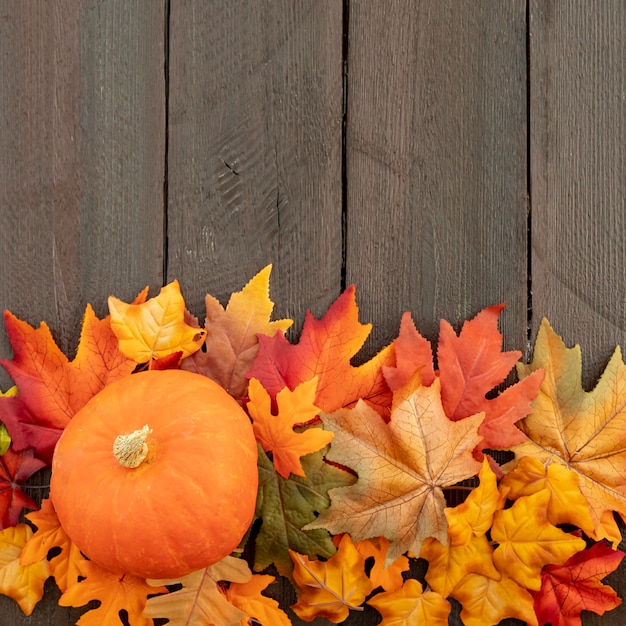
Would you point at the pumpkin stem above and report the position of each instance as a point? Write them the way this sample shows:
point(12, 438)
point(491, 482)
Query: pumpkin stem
point(130, 450)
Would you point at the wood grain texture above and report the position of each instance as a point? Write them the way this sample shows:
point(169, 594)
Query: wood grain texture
point(436, 163)
point(81, 172)
point(578, 168)
point(255, 150)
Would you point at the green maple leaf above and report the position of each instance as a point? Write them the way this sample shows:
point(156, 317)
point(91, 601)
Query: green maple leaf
point(286, 505)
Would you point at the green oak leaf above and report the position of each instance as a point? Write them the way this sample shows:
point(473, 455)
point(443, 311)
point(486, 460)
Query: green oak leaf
point(286, 505)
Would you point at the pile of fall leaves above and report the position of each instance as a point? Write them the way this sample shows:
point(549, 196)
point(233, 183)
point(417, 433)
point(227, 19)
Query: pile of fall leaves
point(355, 463)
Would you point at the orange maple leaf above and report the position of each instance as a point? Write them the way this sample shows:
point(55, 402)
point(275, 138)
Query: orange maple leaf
point(331, 588)
point(115, 593)
point(52, 388)
point(389, 577)
point(23, 583)
point(402, 468)
point(65, 566)
point(276, 433)
point(410, 605)
point(583, 431)
point(201, 600)
point(568, 589)
point(231, 343)
point(325, 349)
point(155, 328)
point(248, 598)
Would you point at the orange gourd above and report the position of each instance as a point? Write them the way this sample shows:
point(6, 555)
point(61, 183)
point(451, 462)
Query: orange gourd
point(156, 475)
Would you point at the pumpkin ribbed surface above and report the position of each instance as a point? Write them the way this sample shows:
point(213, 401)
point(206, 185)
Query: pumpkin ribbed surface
point(189, 501)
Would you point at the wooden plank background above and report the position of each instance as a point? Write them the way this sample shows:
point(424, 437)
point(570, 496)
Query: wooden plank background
point(418, 149)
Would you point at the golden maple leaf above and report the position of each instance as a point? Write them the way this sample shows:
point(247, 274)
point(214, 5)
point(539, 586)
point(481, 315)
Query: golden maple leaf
point(248, 598)
point(65, 566)
point(402, 468)
point(114, 593)
point(232, 334)
point(566, 505)
point(331, 588)
point(489, 601)
point(583, 431)
point(156, 328)
point(410, 605)
point(201, 601)
point(23, 583)
point(276, 433)
point(528, 541)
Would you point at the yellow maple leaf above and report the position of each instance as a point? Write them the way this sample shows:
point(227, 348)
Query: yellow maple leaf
point(330, 588)
point(248, 598)
point(583, 431)
point(409, 605)
point(528, 541)
point(488, 601)
point(201, 601)
point(114, 593)
point(232, 334)
point(155, 328)
point(566, 505)
point(276, 433)
point(474, 516)
point(449, 564)
point(65, 566)
point(402, 468)
point(23, 583)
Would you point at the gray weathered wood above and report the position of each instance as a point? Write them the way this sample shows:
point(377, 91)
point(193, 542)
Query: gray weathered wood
point(436, 162)
point(255, 150)
point(81, 171)
point(578, 169)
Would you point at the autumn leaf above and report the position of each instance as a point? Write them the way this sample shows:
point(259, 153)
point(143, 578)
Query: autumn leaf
point(474, 516)
point(276, 433)
point(582, 431)
point(468, 550)
point(248, 598)
point(409, 606)
point(15, 469)
point(155, 328)
point(566, 505)
point(528, 541)
point(470, 366)
point(5, 438)
point(201, 601)
point(231, 343)
point(65, 566)
point(402, 468)
point(389, 577)
point(52, 388)
point(114, 593)
point(325, 349)
point(330, 588)
point(568, 589)
point(286, 505)
point(22, 583)
point(488, 601)
point(413, 354)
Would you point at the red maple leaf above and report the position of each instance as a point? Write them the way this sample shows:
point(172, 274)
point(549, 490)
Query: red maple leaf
point(567, 590)
point(325, 349)
point(471, 365)
point(15, 469)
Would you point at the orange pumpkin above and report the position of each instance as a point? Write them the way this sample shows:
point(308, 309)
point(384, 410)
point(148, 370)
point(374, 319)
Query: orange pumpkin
point(156, 475)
